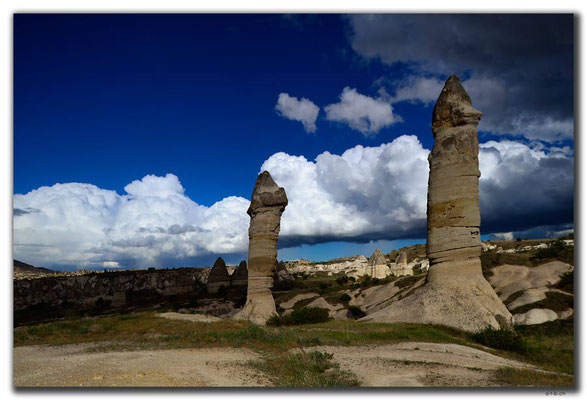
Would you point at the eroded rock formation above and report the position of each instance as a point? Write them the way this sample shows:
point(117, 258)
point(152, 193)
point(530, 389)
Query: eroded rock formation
point(218, 276)
point(455, 293)
point(267, 204)
point(240, 275)
point(378, 264)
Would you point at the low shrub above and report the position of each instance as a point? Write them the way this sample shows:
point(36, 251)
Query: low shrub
point(554, 250)
point(501, 339)
point(305, 315)
point(341, 280)
point(567, 283)
point(345, 297)
point(284, 285)
point(554, 301)
point(356, 312)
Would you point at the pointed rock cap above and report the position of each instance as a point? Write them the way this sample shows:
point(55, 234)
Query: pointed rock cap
point(241, 272)
point(219, 273)
point(377, 258)
point(266, 194)
point(453, 107)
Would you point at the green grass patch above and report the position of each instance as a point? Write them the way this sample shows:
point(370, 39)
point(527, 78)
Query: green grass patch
point(526, 377)
point(147, 331)
point(305, 369)
point(549, 346)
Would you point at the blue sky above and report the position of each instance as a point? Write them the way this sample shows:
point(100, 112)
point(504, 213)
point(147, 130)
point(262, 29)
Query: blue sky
point(107, 100)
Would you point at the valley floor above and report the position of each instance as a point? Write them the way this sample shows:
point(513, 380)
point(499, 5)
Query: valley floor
point(147, 350)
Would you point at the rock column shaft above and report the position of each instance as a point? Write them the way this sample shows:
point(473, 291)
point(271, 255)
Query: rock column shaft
point(267, 204)
point(454, 243)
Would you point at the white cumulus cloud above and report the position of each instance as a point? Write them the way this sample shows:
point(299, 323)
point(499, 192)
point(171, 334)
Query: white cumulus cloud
point(82, 225)
point(364, 194)
point(304, 110)
point(418, 89)
point(365, 114)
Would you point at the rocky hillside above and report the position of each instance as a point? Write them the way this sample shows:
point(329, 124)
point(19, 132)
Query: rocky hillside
point(534, 279)
point(22, 270)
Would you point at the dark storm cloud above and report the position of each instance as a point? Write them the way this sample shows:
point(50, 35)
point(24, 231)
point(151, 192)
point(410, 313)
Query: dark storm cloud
point(520, 66)
point(526, 192)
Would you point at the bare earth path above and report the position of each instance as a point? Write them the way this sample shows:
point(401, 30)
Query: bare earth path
point(72, 365)
point(402, 364)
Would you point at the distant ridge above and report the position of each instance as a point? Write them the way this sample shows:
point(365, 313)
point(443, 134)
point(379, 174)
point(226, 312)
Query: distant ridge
point(19, 266)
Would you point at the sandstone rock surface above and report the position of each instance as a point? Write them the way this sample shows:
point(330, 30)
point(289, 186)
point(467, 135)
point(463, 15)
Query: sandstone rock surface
point(189, 317)
point(456, 293)
point(267, 204)
point(378, 264)
point(282, 274)
point(509, 279)
point(535, 316)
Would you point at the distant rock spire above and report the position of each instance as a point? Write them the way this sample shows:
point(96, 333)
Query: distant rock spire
point(268, 202)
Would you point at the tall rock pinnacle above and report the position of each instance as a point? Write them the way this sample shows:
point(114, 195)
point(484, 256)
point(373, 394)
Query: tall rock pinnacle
point(456, 293)
point(453, 185)
point(267, 204)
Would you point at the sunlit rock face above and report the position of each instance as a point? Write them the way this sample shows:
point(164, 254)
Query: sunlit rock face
point(378, 264)
point(454, 241)
point(456, 293)
point(267, 204)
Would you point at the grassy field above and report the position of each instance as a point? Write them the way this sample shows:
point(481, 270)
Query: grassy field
point(549, 346)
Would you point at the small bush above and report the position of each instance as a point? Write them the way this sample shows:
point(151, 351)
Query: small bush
point(283, 285)
point(356, 312)
point(552, 251)
point(345, 297)
point(305, 315)
point(501, 339)
point(341, 280)
point(567, 282)
point(554, 301)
